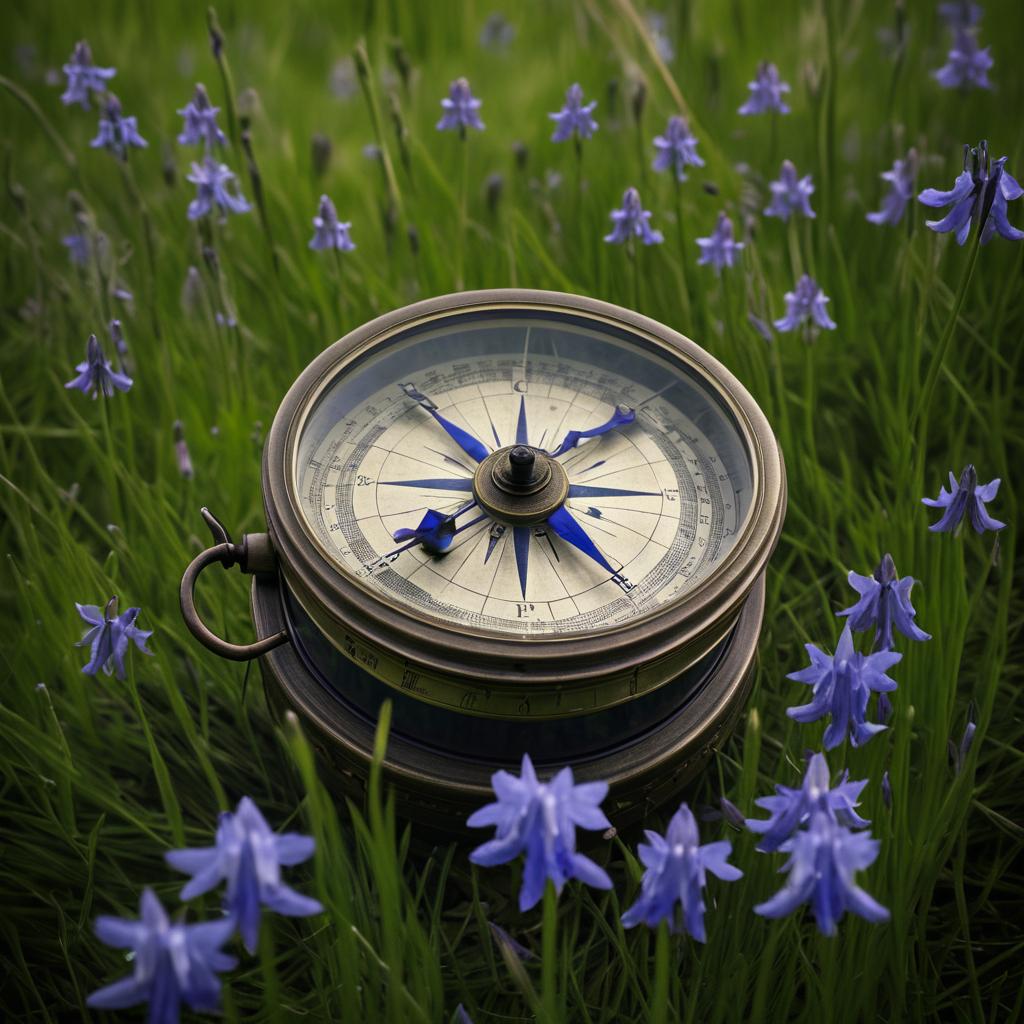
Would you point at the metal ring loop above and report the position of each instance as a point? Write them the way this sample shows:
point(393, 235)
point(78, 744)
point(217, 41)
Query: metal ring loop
point(227, 555)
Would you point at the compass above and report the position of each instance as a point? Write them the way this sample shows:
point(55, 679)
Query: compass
point(534, 522)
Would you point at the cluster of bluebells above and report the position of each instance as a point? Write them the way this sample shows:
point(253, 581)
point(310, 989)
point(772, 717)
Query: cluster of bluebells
point(175, 964)
point(108, 637)
point(966, 498)
point(790, 194)
point(901, 178)
point(575, 118)
point(96, 375)
point(329, 232)
point(967, 63)
point(766, 92)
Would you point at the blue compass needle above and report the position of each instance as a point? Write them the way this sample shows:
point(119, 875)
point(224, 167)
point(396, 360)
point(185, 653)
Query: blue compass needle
point(620, 418)
point(466, 441)
point(563, 523)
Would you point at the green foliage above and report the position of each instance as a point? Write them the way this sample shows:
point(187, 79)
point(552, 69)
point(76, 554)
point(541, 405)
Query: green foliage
point(100, 777)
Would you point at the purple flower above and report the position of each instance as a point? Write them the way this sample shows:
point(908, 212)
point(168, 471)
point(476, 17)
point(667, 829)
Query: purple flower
point(214, 187)
point(200, 127)
point(719, 249)
point(979, 194)
point(676, 873)
point(539, 819)
point(330, 232)
point(886, 787)
point(959, 754)
point(96, 374)
point(498, 33)
point(632, 220)
point(884, 601)
point(843, 684)
point(960, 14)
point(790, 194)
point(574, 117)
point(249, 856)
point(766, 91)
point(83, 76)
point(460, 109)
point(967, 64)
point(109, 636)
point(676, 148)
point(965, 497)
point(792, 808)
point(172, 963)
point(822, 861)
point(181, 452)
point(78, 248)
point(883, 709)
point(806, 301)
point(901, 189)
point(117, 133)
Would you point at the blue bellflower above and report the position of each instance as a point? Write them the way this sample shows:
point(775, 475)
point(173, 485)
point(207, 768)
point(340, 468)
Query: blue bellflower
point(539, 819)
point(792, 808)
point(329, 232)
point(884, 601)
point(805, 302)
point(200, 127)
point(214, 187)
point(249, 856)
point(843, 684)
point(97, 375)
point(980, 193)
point(960, 14)
point(84, 77)
point(676, 866)
point(172, 963)
point(766, 92)
point(677, 148)
point(460, 109)
point(719, 249)
point(967, 64)
point(631, 220)
point(966, 497)
point(109, 635)
point(790, 194)
point(901, 190)
point(574, 117)
point(78, 248)
point(822, 861)
point(117, 133)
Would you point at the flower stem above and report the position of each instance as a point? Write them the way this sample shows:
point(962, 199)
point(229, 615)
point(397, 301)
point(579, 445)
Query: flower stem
point(681, 235)
point(217, 41)
point(549, 956)
point(631, 252)
point(463, 186)
point(659, 998)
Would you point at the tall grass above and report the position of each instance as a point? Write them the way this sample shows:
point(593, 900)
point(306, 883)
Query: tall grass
point(101, 776)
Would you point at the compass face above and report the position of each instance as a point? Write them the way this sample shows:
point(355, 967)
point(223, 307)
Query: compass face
point(522, 473)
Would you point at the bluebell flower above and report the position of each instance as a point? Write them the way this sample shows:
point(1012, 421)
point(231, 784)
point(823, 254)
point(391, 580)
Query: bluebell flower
point(967, 64)
point(901, 190)
point(719, 249)
point(978, 194)
point(766, 91)
point(117, 133)
point(172, 963)
point(214, 187)
point(632, 220)
point(574, 117)
point(657, 26)
point(460, 109)
point(883, 709)
point(200, 127)
point(181, 453)
point(822, 861)
point(676, 148)
point(806, 301)
point(886, 787)
point(959, 754)
point(960, 14)
point(330, 233)
point(792, 808)
point(843, 684)
point(539, 819)
point(96, 374)
point(965, 497)
point(249, 857)
point(78, 248)
point(884, 601)
point(790, 194)
point(676, 866)
point(109, 636)
point(497, 33)
point(83, 76)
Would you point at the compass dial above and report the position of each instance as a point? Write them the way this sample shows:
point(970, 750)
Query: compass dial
point(523, 473)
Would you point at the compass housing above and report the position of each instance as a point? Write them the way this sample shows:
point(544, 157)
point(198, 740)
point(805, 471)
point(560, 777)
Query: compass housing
point(639, 702)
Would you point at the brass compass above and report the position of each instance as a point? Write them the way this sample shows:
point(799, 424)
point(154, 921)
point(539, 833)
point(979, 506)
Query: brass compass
point(536, 522)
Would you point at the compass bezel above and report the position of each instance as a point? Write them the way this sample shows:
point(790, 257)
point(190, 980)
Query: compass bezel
point(347, 610)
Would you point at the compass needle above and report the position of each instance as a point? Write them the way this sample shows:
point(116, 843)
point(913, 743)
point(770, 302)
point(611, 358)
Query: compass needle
point(466, 441)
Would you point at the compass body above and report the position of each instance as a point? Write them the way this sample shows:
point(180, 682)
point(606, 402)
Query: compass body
point(534, 522)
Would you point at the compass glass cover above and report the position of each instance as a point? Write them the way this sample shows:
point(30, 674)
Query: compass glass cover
point(658, 494)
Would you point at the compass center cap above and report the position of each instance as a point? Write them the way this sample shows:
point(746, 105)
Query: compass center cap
point(520, 485)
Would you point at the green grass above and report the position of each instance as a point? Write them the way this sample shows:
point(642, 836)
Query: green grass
point(100, 777)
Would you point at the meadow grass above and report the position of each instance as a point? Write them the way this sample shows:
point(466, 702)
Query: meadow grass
point(101, 776)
